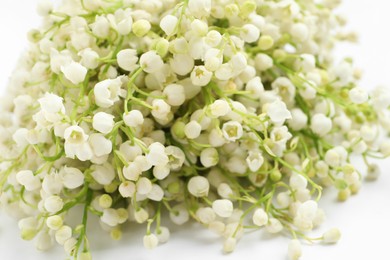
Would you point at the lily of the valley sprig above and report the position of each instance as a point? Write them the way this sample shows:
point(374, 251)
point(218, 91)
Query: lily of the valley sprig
point(233, 114)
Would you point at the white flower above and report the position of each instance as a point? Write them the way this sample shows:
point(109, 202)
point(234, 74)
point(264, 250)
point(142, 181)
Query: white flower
point(219, 108)
point(380, 98)
point(144, 186)
point(110, 217)
point(163, 234)
point(280, 135)
point(274, 226)
point(53, 204)
point(224, 72)
point(229, 244)
point(72, 178)
point(250, 33)
point(336, 156)
point(157, 155)
point(182, 64)
point(199, 27)
point(103, 174)
point(254, 160)
point(358, 95)
point(209, 157)
point(205, 215)
point(192, 129)
point(127, 189)
point(199, 8)
point(161, 172)
point(200, 76)
point(238, 62)
point(223, 208)
point(150, 241)
point(54, 222)
point(156, 193)
point(298, 182)
point(298, 119)
point(100, 145)
point(151, 62)
point(260, 217)
point(179, 214)
point(175, 94)
point(101, 26)
point(44, 7)
point(51, 103)
point(232, 130)
point(168, 24)
point(255, 86)
point(198, 186)
point(225, 191)
point(63, 234)
point(76, 143)
point(74, 72)
point(294, 249)
point(160, 109)
point(213, 38)
point(28, 180)
point(89, 58)
point(278, 112)
point(307, 210)
point(127, 59)
point(103, 122)
point(321, 124)
point(299, 31)
point(141, 27)
point(263, 62)
point(107, 92)
point(133, 118)
point(331, 236)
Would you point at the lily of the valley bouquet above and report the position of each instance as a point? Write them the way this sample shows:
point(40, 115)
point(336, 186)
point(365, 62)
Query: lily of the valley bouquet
point(233, 114)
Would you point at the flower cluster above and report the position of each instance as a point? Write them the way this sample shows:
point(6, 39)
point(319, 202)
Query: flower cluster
point(229, 113)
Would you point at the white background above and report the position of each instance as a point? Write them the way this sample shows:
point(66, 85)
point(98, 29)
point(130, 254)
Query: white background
point(364, 219)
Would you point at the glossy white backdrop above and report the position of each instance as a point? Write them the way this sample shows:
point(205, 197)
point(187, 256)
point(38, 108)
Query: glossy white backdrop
point(364, 219)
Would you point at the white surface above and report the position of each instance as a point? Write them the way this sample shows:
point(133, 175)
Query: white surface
point(364, 219)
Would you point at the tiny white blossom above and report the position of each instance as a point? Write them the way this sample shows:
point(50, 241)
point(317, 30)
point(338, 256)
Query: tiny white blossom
point(133, 118)
point(89, 58)
point(254, 160)
point(192, 129)
point(151, 62)
point(175, 94)
point(28, 180)
point(74, 72)
point(127, 59)
point(163, 234)
point(232, 130)
point(107, 92)
point(278, 112)
point(103, 122)
point(209, 157)
point(331, 236)
point(199, 8)
point(219, 108)
point(205, 215)
point(250, 33)
point(223, 208)
point(321, 124)
point(260, 217)
point(150, 241)
point(198, 186)
point(76, 143)
point(168, 24)
point(53, 204)
point(72, 177)
point(157, 155)
point(200, 76)
point(100, 145)
point(294, 249)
